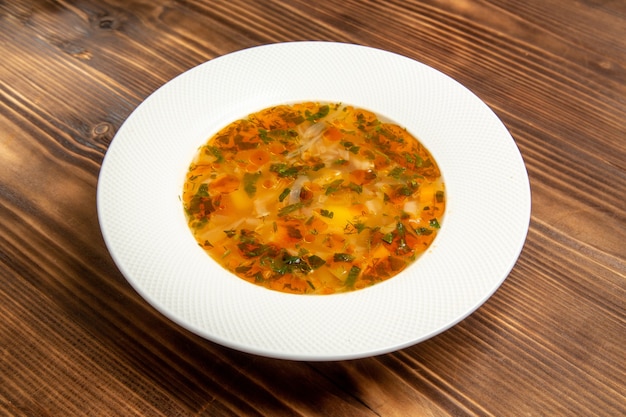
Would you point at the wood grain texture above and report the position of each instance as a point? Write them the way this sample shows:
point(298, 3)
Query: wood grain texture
point(76, 339)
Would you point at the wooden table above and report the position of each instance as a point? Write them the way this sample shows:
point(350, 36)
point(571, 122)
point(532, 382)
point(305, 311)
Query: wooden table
point(76, 339)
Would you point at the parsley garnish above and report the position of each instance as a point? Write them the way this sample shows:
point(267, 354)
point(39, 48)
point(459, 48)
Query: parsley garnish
point(322, 112)
point(264, 136)
point(343, 257)
point(284, 194)
point(355, 187)
point(249, 181)
point(397, 172)
point(216, 152)
point(351, 147)
point(290, 209)
point(327, 213)
point(334, 186)
point(285, 171)
point(315, 261)
point(352, 276)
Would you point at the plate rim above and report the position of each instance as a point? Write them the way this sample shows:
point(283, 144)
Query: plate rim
point(122, 262)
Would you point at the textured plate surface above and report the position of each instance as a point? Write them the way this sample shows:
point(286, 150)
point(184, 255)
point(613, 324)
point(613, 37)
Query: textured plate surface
point(483, 231)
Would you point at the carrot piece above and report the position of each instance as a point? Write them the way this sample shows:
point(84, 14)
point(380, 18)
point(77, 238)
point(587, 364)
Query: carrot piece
point(333, 134)
point(259, 157)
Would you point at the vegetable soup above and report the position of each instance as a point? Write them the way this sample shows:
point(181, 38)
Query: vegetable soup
point(314, 198)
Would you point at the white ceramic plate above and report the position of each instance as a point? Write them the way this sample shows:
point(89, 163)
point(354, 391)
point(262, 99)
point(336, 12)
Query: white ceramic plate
point(482, 234)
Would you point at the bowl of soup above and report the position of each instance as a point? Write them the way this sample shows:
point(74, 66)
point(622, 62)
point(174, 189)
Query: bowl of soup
point(314, 201)
point(314, 198)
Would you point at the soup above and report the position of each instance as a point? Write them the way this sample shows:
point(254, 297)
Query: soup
point(314, 198)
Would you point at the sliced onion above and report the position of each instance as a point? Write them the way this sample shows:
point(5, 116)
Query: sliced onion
point(296, 187)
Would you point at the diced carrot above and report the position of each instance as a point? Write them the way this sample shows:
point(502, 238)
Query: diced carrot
point(362, 176)
point(276, 148)
point(259, 157)
point(380, 252)
point(333, 134)
point(225, 184)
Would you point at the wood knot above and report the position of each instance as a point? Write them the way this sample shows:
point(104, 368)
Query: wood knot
point(106, 21)
point(103, 133)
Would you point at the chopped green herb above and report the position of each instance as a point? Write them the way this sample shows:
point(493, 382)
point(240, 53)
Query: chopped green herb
point(334, 186)
point(249, 245)
point(216, 152)
point(359, 226)
point(243, 268)
point(343, 257)
point(352, 276)
point(414, 159)
point(285, 171)
point(404, 190)
point(402, 248)
point(202, 204)
point(241, 143)
point(284, 194)
point(355, 187)
point(351, 147)
point(230, 233)
point(290, 209)
point(388, 238)
point(397, 172)
point(318, 166)
point(249, 182)
point(322, 112)
point(225, 138)
point(434, 224)
point(293, 232)
point(360, 118)
point(423, 231)
point(264, 136)
point(284, 263)
point(327, 213)
point(369, 155)
point(203, 190)
point(315, 261)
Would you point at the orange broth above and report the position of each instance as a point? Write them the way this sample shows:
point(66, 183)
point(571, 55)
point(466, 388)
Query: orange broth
point(314, 198)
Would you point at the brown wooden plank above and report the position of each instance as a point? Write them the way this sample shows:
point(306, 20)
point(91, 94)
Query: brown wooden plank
point(76, 339)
